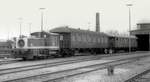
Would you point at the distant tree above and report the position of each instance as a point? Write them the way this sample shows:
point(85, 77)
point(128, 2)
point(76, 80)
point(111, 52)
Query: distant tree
point(113, 32)
point(116, 33)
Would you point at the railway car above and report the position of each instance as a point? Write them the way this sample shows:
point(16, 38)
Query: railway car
point(35, 46)
point(77, 40)
point(119, 43)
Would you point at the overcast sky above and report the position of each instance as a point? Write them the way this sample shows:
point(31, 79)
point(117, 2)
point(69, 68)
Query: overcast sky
point(75, 13)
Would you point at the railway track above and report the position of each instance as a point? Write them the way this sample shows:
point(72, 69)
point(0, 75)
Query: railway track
point(140, 77)
point(43, 65)
point(74, 71)
point(8, 61)
point(51, 64)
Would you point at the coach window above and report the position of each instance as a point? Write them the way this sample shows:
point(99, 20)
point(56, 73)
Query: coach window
point(44, 36)
point(87, 38)
point(83, 37)
point(98, 40)
point(73, 38)
point(101, 39)
point(92, 39)
point(95, 40)
point(61, 37)
point(78, 37)
point(105, 40)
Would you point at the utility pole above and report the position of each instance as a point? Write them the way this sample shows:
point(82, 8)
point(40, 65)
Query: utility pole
point(129, 8)
point(30, 28)
point(20, 26)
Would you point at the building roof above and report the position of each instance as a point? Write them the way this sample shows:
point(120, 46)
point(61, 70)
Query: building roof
point(140, 31)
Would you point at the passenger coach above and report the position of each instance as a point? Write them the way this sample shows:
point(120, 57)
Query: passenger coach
point(76, 40)
point(121, 43)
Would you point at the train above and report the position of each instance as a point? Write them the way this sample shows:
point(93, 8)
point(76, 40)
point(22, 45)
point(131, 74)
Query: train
point(65, 41)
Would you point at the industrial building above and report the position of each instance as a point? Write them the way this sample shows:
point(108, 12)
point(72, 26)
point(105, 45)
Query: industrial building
point(143, 34)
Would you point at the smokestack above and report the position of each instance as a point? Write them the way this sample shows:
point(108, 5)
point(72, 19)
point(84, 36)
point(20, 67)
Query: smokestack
point(97, 22)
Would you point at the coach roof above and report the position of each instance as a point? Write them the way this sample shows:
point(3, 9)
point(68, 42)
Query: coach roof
point(66, 29)
point(121, 36)
point(43, 32)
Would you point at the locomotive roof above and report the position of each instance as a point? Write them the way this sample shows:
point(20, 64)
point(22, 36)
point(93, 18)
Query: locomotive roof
point(66, 29)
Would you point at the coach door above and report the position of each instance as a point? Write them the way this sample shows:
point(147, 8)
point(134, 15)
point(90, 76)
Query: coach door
point(65, 40)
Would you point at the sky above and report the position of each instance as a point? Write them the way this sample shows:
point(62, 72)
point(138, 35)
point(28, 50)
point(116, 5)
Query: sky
point(73, 13)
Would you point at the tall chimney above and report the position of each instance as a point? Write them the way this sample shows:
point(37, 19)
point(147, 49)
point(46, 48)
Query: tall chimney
point(97, 22)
